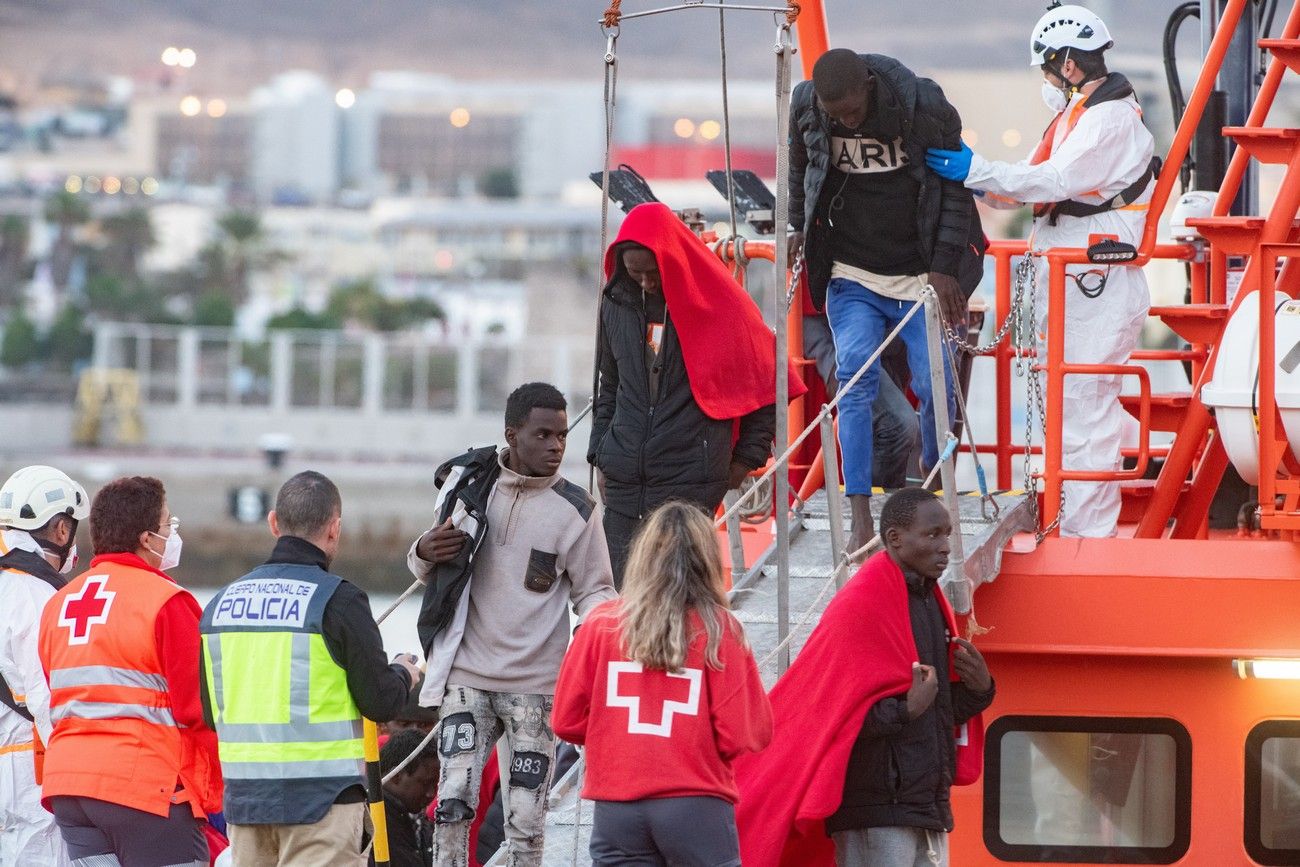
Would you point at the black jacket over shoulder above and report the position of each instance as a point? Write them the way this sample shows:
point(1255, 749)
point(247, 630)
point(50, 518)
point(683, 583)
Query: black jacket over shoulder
point(656, 447)
point(949, 234)
point(900, 770)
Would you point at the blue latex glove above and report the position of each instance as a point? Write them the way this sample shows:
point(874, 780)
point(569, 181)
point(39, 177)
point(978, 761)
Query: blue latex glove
point(950, 165)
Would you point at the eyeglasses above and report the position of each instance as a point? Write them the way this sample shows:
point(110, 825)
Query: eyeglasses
point(174, 523)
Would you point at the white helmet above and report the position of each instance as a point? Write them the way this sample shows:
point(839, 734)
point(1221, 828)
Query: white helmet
point(1064, 27)
point(34, 495)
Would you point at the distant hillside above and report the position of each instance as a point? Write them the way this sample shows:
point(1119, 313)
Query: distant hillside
point(243, 42)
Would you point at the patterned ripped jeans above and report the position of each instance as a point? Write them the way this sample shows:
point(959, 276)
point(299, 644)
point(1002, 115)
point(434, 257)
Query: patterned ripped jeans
point(472, 721)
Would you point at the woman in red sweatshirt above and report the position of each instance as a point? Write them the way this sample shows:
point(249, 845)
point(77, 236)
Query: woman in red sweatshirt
point(663, 690)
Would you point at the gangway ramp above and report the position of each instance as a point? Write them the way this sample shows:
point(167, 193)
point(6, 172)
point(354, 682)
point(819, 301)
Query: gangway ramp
point(811, 589)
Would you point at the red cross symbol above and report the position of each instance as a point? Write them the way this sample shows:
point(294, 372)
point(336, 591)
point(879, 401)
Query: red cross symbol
point(643, 686)
point(90, 608)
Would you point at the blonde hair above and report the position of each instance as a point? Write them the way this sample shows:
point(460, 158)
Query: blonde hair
point(673, 568)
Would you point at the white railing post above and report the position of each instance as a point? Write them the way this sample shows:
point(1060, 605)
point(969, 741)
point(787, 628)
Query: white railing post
point(834, 509)
point(955, 584)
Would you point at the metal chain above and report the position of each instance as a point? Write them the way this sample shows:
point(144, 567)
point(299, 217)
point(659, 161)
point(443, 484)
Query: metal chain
point(1026, 325)
point(796, 271)
point(1017, 298)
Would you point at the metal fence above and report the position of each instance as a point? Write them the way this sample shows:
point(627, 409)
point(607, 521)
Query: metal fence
point(363, 372)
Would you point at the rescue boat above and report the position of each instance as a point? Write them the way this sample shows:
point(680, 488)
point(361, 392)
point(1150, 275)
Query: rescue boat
point(1148, 706)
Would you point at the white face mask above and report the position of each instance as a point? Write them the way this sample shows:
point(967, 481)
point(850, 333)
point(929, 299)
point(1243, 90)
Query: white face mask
point(1054, 98)
point(69, 562)
point(171, 554)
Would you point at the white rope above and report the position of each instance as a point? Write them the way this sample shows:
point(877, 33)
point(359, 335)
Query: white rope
point(845, 558)
point(726, 130)
point(611, 93)
point(834, 402)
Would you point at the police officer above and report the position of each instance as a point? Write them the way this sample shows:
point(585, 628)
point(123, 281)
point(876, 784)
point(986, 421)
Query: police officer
point(292, 661)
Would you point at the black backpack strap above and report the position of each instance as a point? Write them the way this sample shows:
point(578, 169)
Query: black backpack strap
point(1123, 199)
point(33, 564)
point(7, 699)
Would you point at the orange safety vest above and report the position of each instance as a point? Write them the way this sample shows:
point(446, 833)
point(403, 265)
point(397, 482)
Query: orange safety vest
point(1048, 144)
point(114, 737)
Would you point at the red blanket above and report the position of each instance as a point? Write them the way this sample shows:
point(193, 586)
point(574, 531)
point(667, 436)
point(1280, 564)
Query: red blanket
point(861, 651)
point(730, 352)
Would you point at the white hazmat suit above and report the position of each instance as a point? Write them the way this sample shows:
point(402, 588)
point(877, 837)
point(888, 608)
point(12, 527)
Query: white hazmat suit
point(28, 835)
point(1104, 151)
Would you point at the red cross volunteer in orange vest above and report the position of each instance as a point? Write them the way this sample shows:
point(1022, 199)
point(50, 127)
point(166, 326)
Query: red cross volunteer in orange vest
point(131, 769)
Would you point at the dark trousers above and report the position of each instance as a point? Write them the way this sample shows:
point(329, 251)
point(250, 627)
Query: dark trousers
point(136, 838)
point(691, 832)
point(619, 530)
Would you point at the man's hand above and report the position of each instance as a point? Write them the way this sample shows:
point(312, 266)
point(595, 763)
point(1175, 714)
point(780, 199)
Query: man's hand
point(793, 246)
point(970, 666)
point(410, 663)
point(736, 475)
point(925, 686)
point(950, 165)
point(952, 304)
point(441, 544)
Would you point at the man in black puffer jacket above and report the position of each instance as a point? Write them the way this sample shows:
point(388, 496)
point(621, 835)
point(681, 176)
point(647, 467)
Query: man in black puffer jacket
point(876, 226)
point(684, 408)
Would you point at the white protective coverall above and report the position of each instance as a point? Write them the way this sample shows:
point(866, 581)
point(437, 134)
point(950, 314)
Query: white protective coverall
point(28, 835)
point(1102, 154)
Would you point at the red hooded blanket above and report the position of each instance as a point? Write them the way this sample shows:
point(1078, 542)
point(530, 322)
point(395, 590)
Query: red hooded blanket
point(861, 651)
point(729, 351)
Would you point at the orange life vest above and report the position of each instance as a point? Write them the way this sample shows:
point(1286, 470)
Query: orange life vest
point(114, 737)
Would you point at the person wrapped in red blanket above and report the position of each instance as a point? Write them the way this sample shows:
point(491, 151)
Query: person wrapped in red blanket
point(867, 741)
point(684, 405)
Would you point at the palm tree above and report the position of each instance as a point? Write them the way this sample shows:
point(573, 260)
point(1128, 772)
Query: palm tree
point(67, 211)
point(243, 238)
point(130, 235)
point(15, 234)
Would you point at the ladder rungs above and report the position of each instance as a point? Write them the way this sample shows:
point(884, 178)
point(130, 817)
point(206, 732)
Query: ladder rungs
point(1195, 323)
point(1236, 236)
point(1285, 50)
point(1167, 410)
point(1266, 145)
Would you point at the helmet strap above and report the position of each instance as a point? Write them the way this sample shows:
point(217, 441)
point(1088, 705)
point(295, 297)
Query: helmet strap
point(60, 551)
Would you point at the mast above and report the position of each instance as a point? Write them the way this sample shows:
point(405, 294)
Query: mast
point(812, 34)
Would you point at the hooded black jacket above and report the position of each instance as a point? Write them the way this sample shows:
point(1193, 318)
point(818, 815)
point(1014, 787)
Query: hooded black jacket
point(901, 770)
point(949, 234)
point(652, 448)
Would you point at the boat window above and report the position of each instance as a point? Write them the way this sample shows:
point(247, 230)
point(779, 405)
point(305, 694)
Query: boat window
point(1087, 789)
point(1273, 792)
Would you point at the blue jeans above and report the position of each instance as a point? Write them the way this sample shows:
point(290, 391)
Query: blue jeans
point(894, 425)
point(860, 319)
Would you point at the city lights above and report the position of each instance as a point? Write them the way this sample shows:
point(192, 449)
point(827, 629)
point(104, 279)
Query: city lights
point(216, 108)
point(1011, 138)
point(182, 57)
point(149, 186)
point(191, 106)
point(130, 186)
point(684, 127)
point(459, 118)
point(710, 129)
point(970, 136)
point(112, 186)
point(92, 185)
point(72, 184)
point(345, 98)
